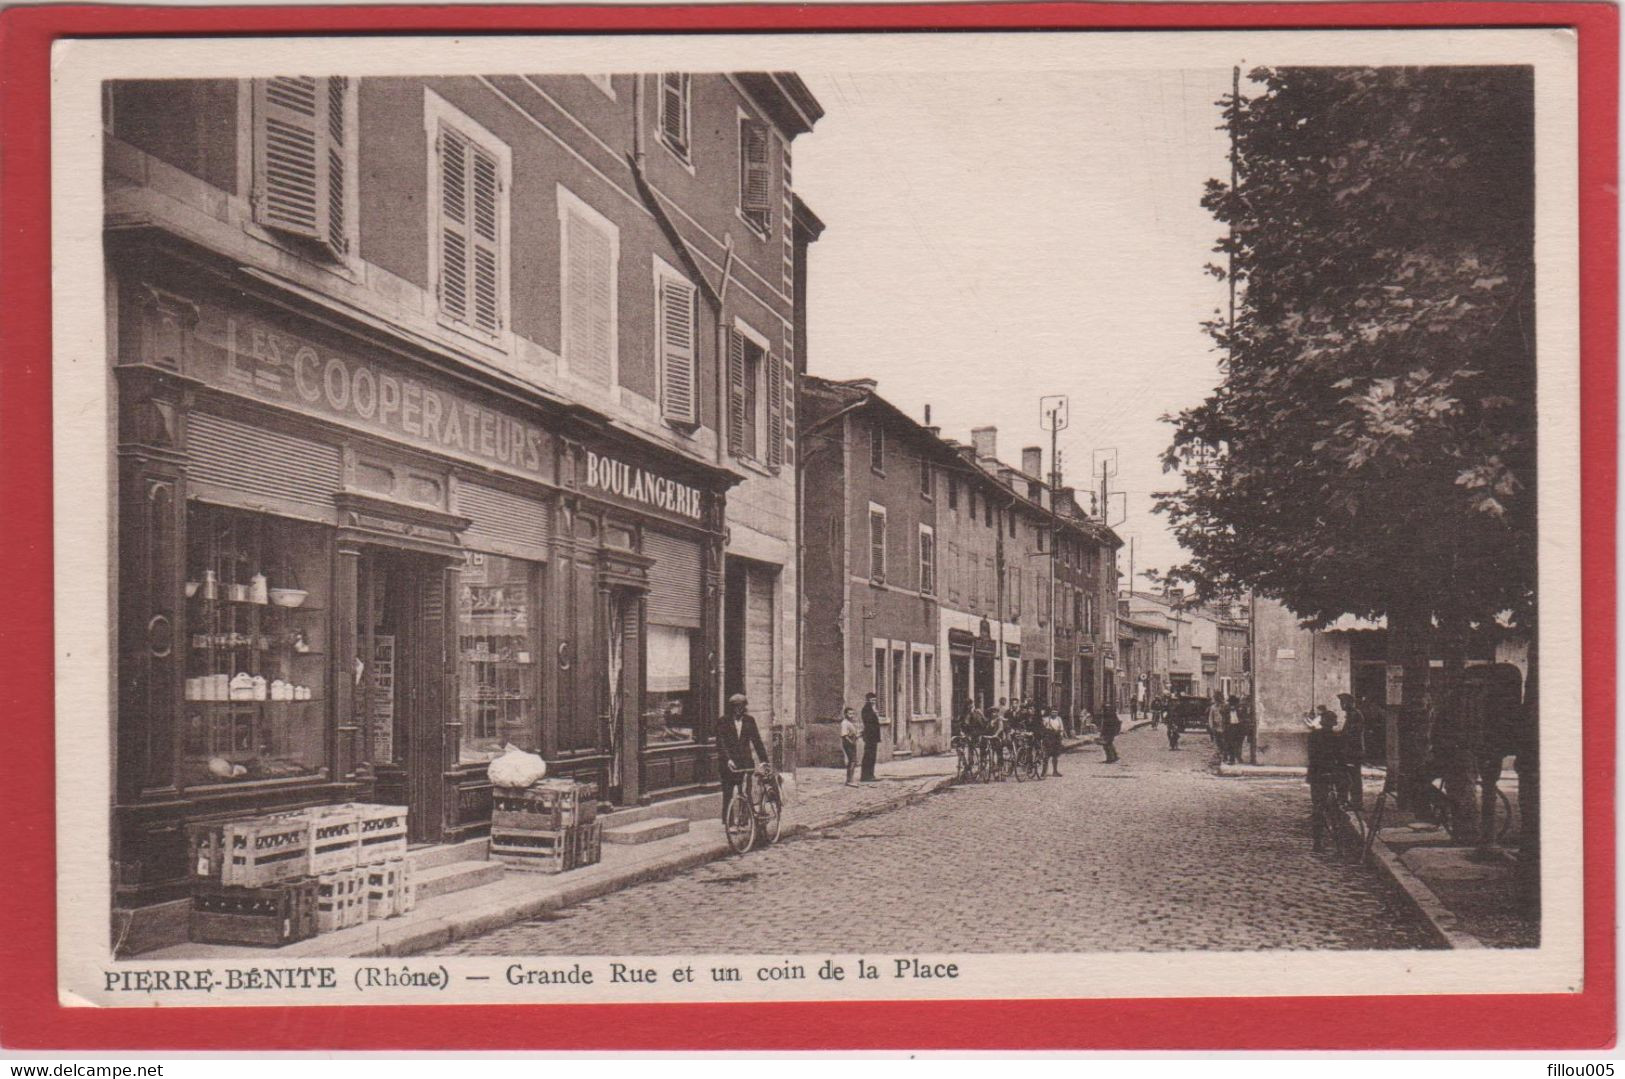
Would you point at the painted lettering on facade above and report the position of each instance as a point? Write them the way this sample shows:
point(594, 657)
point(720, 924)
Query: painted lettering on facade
point(640, 485)
point(247, 356)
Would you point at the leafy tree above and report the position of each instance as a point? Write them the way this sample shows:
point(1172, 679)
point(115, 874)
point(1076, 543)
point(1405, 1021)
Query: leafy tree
point(1370, 448)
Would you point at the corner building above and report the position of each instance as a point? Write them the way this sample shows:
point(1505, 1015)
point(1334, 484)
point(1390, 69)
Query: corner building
point(453, 414)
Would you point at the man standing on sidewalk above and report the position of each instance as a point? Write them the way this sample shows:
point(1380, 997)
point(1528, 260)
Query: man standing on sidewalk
point(871, 738)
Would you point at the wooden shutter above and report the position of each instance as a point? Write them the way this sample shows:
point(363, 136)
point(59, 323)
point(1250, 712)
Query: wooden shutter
point(676, 588)
point(291, 161)
point(736, 392)
point(674, 107)
point(589, 266)
point(756, 175)
point(774, 373)
point(678, 327)
point(338, 239)
point(470, 230)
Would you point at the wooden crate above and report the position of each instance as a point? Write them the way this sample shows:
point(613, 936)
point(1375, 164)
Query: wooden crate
point(588, 845)
point(254, 852)
point(383, 831)
point(335, 837)
point(548, 805)
point(341, 899)
point(538, 850)
point(390, 888)
point(263, 917)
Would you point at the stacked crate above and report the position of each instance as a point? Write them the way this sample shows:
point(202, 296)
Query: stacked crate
point(550, 826)
point(254, 879)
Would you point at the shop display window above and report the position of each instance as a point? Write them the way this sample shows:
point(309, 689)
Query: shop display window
point(498, 686)
point(254, 700)
point(670, 702)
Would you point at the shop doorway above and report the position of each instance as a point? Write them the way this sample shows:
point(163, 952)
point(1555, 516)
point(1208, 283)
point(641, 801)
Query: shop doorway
point(960, 668)
point(984, 683)
point(402, 682)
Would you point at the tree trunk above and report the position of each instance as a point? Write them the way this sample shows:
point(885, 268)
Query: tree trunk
point(1408, 634)
point(1528, 768)
point(1454, 736)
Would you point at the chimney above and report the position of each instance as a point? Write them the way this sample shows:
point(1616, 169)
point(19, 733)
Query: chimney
point(1032, 462)
point(1174, 596)
point(928, 415)
point(986, 441)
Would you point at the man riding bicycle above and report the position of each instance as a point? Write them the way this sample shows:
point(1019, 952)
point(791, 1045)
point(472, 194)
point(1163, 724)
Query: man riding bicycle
point(739, 748)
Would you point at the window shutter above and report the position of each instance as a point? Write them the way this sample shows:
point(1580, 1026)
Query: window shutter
point(590, 299)
point(775, 409)
point(291, 155)
point(486, 193)
point(677, 351)
point(454, 225)
point(736, 392)
point(673, 113)
point(338, 238)
point(756, 190)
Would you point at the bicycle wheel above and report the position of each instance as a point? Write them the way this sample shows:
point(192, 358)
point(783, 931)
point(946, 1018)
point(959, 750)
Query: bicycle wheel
point(1373, 826)
point(772, 819)
point(1018, 764)
point(1505, 827)
point(739, 823)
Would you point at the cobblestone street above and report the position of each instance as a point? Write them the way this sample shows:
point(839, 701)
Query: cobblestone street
point(1152, 853)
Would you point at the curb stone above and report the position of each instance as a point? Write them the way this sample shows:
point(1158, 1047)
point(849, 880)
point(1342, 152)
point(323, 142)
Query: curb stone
point(1440, 919)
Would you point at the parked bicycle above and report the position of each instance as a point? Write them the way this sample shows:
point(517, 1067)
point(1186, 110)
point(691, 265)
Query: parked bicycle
point(756, 810)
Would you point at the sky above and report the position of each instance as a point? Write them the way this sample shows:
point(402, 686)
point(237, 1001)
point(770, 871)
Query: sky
point(994, 237)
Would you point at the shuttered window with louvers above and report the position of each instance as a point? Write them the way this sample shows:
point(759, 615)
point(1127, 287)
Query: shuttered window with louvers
point(736, 392)
point(504, 523)
point(589, 298)
point(471, 290)
point(679, 341)
point(755, 174)
point(674, 111)
point(301, 153)
point(774, 369)
point(236, 464)
point(675, 588)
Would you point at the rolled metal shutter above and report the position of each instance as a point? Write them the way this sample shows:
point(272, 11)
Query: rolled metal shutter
point(238, 464)
point(505, 523)
point(675, 589)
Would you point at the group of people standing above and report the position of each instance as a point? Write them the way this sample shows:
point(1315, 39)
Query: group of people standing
point(1044, 724)
point(1336, 751)
point(1228, 724)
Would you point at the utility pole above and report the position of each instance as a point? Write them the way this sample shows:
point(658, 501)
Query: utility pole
point(1055, 416)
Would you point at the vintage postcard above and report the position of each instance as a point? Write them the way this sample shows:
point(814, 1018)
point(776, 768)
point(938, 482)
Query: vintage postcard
point(754, 517)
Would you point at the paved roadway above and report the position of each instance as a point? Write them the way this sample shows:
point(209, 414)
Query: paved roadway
point(1153, 853)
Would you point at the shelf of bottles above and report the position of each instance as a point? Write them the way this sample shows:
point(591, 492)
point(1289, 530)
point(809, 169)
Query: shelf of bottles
point(497, 684)
point(255, 636)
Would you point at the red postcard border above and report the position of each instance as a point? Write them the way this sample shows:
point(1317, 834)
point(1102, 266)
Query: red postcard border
point(30, 1016)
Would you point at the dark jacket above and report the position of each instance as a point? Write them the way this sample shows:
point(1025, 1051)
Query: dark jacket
point(871, 723)
point(734, 750)
point(1110, 725)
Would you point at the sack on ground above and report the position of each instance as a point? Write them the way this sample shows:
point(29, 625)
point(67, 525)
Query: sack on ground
point(516, 768)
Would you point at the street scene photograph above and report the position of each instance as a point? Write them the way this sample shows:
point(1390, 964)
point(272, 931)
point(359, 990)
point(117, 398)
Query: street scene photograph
point(888, 516)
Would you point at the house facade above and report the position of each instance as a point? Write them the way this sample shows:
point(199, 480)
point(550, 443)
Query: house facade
point(453, 414)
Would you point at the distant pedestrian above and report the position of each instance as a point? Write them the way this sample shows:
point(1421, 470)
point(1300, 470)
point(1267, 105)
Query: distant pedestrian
point(1052, 728)
point(1235, 731)
point(1215, 721)
point(1353, 747)
point(871, 738)
point(850, 733)
point(1110, 728)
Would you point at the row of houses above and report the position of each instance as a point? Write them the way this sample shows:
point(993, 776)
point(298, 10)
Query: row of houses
point(1170, 646)
point(456, 414)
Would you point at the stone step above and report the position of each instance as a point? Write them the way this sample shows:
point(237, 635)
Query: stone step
point(469, 850)
point(456, 877)
point(646, 831)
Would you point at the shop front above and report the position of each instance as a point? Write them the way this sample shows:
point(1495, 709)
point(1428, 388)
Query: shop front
point(349, 570)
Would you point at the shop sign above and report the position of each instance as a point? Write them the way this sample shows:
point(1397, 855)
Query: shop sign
point(249, 356)
point(611, 476)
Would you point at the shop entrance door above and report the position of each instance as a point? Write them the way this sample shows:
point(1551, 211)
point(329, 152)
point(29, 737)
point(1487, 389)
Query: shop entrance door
point(960, 667)
point(403, 682)
point(984, 682)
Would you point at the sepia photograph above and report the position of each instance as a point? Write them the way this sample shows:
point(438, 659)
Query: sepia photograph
point(817, 517)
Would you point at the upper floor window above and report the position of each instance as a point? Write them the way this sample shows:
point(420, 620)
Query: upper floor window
point(756, 398)
point(589, 253)
point(987, 511)
point(1011, 517)
point(676, 111)
point(953, 491)
point(877, 543)
point(877, 448)
point(925, 477)
point(304, 153)
point(468, 220)
point(677, 315)
point(928, 560)
point(755, 174)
